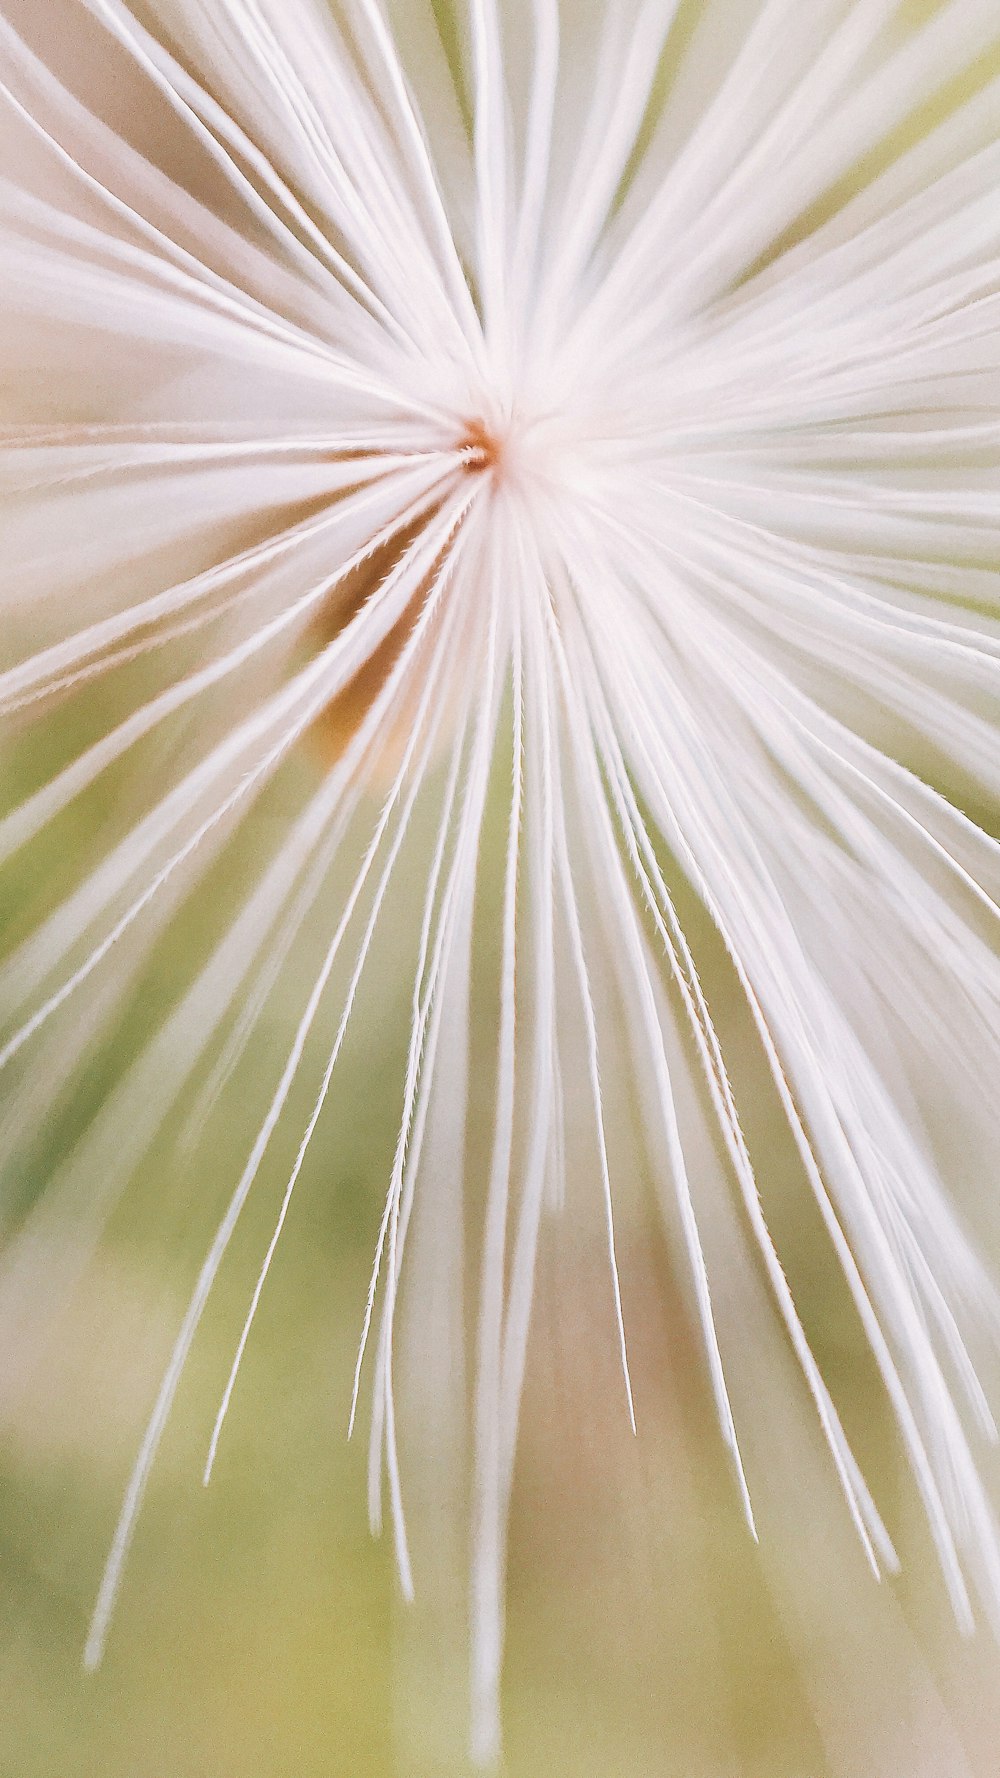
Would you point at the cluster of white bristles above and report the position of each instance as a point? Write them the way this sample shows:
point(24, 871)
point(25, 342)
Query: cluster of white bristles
point(612, 392)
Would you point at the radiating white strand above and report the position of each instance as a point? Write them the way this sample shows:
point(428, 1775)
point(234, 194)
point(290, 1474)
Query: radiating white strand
point(697, 625)
point(607, 869)
point(858, 627)
point(204, 116)
point(740, 442)
point(343, 789)
point(540, 795)
point(102, 644)
point(414, 135)
point(950, 41)
point(300, 285)
point(844, 743)
point(556, 1173)
point(945, 233)
point(455, 913)
point(159, 1075)
point(809, 108)
point(451, 945)
point(416, 1091)
point(365, 336)
point(627, 265)
point(755, 561)
point(83, 453)
point(719, 138)
point(933, 919)
point(134, 1493)
point(60, 658)
point(69, 1216)
point(136, 1488)
point(867, 1521)
point(470, 821)
point(321, 670)
point(359, 638)
point(487, 1609)
point(384, 176)
point(150, 297)
point(450, 1083)
point(537, 148)
point(938, 173)
point(608, 142)
point(56, 1064)
point(443, 1103)
point(586, 999)
point(914, 1441)
point(116, 263)
point(610, 645)
point(418, 1085)
point(932, 928)
point(30, 817)
point(352, 170)
point(278, 952)
point(811, 1084)
point(414, 764)
point(492, 160)
point(578, 743)
point(126, 654)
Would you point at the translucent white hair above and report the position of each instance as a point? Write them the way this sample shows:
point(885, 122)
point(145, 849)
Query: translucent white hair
point(586, 413)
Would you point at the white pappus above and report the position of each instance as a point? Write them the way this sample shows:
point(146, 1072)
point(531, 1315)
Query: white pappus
point(590, 413)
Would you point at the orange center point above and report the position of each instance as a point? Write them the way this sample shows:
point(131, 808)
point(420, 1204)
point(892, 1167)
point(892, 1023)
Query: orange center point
point(483, 451)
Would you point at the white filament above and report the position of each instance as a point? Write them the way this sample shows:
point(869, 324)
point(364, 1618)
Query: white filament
point(669, 443)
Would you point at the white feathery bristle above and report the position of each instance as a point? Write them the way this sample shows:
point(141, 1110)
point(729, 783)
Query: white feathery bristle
point(574, 425)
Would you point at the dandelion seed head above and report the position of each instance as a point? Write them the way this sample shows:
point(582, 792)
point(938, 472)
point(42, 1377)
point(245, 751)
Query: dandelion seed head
point(599, 480)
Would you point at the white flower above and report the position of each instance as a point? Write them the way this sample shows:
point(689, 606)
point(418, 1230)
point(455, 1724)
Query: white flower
point(637, 444)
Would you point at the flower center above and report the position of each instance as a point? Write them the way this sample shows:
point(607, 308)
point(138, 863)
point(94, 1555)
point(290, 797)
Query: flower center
point(518, 455)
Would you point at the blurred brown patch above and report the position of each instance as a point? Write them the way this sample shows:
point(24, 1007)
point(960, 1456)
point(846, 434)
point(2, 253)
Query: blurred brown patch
point(343, 717)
